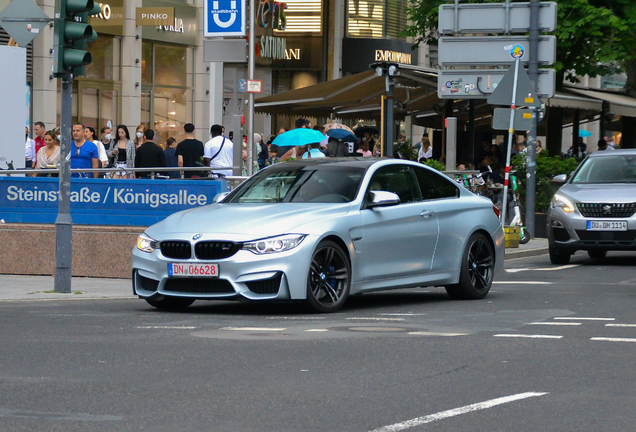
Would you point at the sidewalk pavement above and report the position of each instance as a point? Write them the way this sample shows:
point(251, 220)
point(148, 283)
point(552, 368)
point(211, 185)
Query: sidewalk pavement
point(534, 247)
point(41, 288)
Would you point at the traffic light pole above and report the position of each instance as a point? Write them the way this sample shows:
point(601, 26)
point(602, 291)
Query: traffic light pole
point(64, 222)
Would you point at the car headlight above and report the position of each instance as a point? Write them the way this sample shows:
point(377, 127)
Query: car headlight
point(563, 202)
point(274, 244)
point(146, 244)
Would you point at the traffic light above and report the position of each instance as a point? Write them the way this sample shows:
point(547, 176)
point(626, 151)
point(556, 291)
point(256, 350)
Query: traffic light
point(71, 36)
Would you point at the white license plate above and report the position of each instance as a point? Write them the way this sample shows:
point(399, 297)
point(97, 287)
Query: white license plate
point(607, 225)
point(198, 270)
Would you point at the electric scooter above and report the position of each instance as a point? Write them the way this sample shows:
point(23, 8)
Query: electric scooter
point(524, 237)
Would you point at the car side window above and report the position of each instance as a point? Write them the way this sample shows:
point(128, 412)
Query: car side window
point(434, 186)
point(398, 179)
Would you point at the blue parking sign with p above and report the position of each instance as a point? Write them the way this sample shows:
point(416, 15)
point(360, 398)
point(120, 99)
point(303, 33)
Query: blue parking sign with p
point(224, 18)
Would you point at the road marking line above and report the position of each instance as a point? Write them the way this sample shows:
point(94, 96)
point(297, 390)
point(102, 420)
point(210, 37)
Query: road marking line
point(620, 325)
point(402, 314)
point(457, 411)
point(555, 323)
point(377, 319)
point(584, 319)
point(523, 282)
point(437, 334)
point(253, 329)
point(317, 330)
point(535, 336)
point(517, 270)
point(169, 327)
point(613, 339)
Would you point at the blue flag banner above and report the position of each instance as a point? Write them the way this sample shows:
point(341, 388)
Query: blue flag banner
point(104, 202)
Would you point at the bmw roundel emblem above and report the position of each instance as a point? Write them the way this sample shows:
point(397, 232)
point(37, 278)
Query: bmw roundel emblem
point(197, 236)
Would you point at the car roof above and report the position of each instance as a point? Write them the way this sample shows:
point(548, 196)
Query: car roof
point(354, 162)
point(606, 153)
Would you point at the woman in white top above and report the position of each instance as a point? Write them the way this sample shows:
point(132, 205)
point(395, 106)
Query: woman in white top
point(426, 151)
point(89, 135)
point(49, 155)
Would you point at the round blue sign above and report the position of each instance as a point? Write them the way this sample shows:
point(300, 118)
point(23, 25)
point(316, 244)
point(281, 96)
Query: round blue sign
point(517, 51)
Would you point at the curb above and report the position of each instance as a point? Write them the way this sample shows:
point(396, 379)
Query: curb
point(525, 253)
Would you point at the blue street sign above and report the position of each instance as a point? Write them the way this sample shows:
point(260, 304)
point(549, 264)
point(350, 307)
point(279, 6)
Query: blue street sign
point(242, 87)
point(224, 18)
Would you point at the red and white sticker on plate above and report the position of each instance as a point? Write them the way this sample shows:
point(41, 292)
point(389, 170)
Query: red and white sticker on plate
point(201, 270)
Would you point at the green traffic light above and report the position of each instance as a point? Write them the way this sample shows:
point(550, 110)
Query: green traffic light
point(75, 31)
point(76, 58)
point(77, 6)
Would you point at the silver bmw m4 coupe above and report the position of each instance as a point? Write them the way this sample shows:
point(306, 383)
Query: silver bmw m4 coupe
point(320, 230)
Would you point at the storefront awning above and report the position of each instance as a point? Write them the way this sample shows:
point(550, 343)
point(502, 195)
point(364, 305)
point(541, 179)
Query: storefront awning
point(564, 100)
point(619, 104)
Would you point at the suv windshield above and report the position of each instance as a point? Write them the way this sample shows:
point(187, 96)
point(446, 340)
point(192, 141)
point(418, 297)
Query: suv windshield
point(304, 183)
point(607, 169)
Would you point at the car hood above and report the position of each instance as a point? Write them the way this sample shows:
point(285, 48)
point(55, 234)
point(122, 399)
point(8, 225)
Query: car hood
point(600, 193)
point(246, 221)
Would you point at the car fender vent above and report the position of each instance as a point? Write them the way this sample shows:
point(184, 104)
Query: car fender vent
point(265, 286)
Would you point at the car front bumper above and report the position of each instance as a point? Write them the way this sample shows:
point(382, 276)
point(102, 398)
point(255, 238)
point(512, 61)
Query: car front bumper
point(276, 276)
point(568, 231)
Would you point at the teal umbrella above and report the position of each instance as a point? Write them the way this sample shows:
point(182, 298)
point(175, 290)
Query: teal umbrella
point(298, 137)
point(584, 133)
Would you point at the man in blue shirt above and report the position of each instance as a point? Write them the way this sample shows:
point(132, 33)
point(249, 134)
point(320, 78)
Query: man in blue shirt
point(84, 154)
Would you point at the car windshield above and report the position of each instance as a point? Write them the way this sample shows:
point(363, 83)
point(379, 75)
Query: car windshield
point(607, 169)
point(304, 183)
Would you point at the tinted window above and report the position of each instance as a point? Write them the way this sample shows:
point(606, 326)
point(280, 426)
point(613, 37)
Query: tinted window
point(397, 179)
point(434, 186)
point(321, 184)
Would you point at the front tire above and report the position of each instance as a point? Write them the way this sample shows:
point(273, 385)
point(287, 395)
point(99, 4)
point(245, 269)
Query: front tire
point(524, 236)
point(477, 270)
point(329, 278)
point(558, 256)
point(169, 303)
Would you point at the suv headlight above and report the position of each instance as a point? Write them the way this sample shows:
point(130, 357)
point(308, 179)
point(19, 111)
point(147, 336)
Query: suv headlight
point(274, 244)
point(563, 202)
point(146, 244)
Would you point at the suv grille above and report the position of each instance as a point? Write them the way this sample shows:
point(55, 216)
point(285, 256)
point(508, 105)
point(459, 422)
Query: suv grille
point(214, 250)
point(607, 210)
point(265, 286)
point(199, 286)
point(611, 236)
point(176, 249)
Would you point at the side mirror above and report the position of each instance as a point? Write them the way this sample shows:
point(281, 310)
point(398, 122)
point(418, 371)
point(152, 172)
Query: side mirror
point(561, 178)
point(219, 197)
point(382, 199)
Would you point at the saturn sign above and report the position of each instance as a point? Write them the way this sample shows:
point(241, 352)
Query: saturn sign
point(224, 18)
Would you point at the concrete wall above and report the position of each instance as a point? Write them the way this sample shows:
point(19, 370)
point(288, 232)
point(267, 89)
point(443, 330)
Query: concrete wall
point(98, 251)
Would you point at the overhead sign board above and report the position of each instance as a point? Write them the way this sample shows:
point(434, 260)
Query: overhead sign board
point(23, 20)
point(481, 83)
point(482, 18)
point(522, 121)
point(226, 51)
point(224, 18)
point(525, 94)
point(490, 50)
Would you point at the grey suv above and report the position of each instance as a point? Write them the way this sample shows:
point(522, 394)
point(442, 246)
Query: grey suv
point(595, 210)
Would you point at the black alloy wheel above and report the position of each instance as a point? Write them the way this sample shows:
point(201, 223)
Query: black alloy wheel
point(329, 278)
point(477, 271)
point(169, 303)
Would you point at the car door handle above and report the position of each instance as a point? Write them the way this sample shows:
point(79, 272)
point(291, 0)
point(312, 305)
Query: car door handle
point(427, 214)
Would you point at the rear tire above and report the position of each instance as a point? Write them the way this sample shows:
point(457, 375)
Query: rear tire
point(559, 256)
point(169, 303)
point(597, 254)
point(477, 270)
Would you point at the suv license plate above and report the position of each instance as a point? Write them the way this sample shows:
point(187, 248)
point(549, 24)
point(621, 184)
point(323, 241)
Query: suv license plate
point(607, 225)
point(197, 270)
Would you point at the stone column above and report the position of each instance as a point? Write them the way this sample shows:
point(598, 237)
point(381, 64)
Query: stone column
point(201, 115)
point(44, 86)
point(131, 68)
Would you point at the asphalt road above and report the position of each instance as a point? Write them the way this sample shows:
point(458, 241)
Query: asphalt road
point(550, 349)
